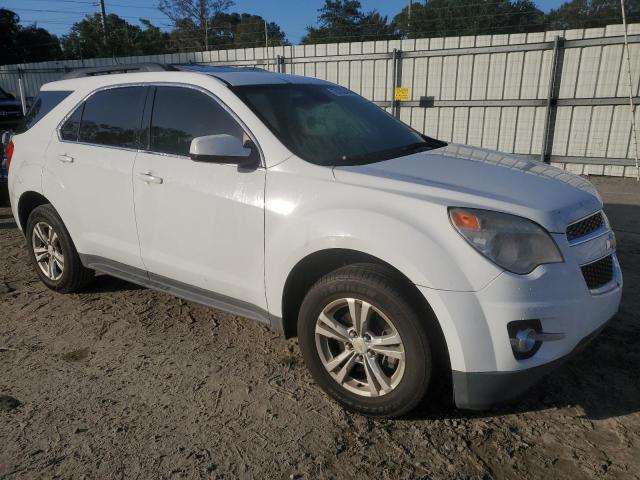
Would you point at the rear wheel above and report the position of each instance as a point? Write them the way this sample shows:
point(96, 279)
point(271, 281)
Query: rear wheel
point(363, 341)
point(52, 252)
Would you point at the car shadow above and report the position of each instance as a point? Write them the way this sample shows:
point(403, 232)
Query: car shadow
point(603, 378)
point(103, 283)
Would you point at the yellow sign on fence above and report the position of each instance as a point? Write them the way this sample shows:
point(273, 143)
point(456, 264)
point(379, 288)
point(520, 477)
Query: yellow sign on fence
point(401, 93)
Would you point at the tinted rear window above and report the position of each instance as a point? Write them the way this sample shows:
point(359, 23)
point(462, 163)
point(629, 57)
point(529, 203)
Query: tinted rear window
point(112, 117)
point(44, 103)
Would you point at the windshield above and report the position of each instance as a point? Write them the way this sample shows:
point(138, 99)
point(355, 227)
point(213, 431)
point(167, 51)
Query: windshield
point(330, 125)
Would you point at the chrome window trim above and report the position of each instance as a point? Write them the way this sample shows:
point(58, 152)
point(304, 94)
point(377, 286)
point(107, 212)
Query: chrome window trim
point(158, 84)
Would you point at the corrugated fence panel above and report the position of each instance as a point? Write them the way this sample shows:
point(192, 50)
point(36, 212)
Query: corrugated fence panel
point(489, 90)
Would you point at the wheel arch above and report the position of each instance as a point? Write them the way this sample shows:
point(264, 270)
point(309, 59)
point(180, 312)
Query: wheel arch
point(28, 201)
point(319, 263)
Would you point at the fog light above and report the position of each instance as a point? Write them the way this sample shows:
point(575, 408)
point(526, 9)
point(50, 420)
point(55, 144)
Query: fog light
point(524, 337)
point(525, 340)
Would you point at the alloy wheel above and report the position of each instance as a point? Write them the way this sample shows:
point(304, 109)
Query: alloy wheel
point(47, 250)
point(360, 347)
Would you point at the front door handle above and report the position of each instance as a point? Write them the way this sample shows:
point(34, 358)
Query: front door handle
point(146, 177)
point(64, 158)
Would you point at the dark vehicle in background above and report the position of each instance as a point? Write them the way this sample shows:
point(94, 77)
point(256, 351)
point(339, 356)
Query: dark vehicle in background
point(10, 111)
point(10, 117)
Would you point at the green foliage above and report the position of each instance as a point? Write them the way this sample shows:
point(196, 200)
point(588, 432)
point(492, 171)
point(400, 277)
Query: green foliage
point(235, 30)
point(201, 24)
point(25, 44)
point(86, 38)
point(438, 18)
point(344, 21)
point(591, 13)
point(226, 30)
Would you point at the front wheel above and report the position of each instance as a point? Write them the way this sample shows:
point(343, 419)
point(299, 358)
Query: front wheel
point(363, 341)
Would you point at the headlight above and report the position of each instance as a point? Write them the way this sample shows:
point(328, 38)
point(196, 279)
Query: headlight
point(513, 243)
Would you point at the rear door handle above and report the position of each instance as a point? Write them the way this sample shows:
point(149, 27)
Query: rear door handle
point(65, 158)
point(146, 177)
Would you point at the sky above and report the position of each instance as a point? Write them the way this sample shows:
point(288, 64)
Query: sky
point(293, 16)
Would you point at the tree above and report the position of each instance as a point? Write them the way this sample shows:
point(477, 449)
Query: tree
point(191, 19)
point(344, 21)
point(438, 18)
point(85, 39)
point(591, 13)
point(9, 29)
point(227, 30)
point(244, 30)
point(25, 44)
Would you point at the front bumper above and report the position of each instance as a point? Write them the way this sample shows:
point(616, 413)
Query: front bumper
point(485, 370)
point(483, 390)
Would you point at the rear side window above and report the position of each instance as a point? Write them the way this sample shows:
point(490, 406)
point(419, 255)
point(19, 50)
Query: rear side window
point(69, 130)
point(112, 117)
point(44, 103)
point(180, 114)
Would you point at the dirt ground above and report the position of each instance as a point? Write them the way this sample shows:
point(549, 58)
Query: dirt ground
point(124, 382)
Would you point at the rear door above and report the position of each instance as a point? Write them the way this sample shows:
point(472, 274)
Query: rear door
point(88, 173)
point(200, 224)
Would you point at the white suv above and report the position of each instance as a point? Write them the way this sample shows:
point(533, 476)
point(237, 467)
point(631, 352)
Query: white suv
point(299, 204)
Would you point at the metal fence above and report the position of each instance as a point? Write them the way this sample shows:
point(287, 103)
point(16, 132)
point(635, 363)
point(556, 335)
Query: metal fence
point(560, 96)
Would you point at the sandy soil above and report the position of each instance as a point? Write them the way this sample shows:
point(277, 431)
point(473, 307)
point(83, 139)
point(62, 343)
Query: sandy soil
point(124, 382)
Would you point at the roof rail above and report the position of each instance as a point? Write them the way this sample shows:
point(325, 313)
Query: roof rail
point(110, 69)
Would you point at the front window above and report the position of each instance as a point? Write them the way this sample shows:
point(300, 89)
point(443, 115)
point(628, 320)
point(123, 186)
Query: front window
point(181, 114)
point(330, 125)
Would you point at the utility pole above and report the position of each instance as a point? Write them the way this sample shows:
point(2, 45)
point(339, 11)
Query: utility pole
point(206, 32)
point(103, 20)
point(409, 15)
point(266, 43)
point(632, 107)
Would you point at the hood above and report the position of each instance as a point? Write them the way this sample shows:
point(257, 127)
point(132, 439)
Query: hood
point(460, 175)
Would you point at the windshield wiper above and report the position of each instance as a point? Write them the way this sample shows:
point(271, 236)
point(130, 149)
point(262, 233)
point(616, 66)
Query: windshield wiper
point(414, 148)
point(381, 155)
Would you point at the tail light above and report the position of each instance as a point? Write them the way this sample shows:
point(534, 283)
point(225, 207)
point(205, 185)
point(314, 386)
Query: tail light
point(8, 153)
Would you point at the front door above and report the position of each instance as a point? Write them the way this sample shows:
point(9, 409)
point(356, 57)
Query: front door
point(200, 224)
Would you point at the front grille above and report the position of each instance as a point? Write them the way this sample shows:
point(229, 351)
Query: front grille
point(585, 227)
point(598, 273)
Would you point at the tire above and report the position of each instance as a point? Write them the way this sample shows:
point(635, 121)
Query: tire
point(65, 273)
point(391, 313)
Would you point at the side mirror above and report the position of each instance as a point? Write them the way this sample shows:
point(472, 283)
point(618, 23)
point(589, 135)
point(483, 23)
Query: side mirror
point(221, 148)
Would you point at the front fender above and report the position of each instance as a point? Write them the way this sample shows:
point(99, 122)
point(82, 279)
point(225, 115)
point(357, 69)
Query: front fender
point(411, 250)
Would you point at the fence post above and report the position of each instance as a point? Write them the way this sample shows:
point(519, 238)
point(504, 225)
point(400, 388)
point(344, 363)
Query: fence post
point(21, 90)
point(397, 80)
point(555, 76)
